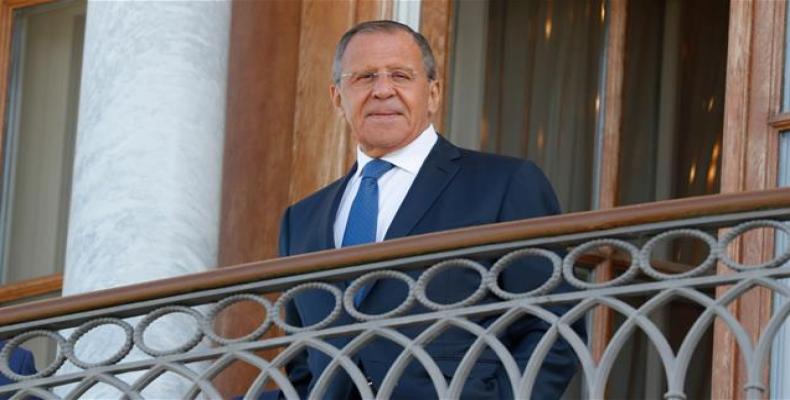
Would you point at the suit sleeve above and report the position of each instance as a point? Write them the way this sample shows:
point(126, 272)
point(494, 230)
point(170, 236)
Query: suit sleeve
point(285, 233)
point(530, 195)
point(21, 362)
point(28, 366)
point(297, 369)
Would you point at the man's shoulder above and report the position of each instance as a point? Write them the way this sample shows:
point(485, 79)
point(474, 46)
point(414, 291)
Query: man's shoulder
point(319, 197)
point(491, 163)
point(492, 159)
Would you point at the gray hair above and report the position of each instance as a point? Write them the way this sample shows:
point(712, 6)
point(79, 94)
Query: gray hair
point(428, 61)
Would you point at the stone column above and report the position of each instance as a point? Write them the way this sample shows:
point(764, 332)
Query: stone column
point(148, 156)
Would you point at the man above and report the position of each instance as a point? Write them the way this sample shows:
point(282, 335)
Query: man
point(21, 362)
point(409, 181)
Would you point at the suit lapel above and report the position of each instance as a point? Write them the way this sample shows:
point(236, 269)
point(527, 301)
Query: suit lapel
point(437, 171)
point(329, 213)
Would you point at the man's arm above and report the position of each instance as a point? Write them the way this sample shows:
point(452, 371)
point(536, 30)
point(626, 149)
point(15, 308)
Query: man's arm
point(297, 369)
point(21, 362)
point(530, 195)
point(28, 364)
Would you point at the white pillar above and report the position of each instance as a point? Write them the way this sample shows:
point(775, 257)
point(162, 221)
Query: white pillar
point(148, 157)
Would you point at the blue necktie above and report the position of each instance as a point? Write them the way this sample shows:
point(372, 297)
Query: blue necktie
point(363, 217)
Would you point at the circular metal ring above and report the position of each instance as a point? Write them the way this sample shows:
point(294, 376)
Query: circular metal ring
point(12, 344)
point(71, 343)
point(507, 259)
point(348, 296)
point(207, 322)
point(570, 259)
point(647, 249)
point(139, 330)
point(301, 288)
point(742, 228)
point(425, 278)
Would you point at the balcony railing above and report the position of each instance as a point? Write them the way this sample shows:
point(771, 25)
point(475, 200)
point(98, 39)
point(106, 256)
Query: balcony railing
point(634, 235)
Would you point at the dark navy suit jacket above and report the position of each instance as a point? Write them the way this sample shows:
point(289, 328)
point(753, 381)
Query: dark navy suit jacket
point(454, 188)
point(21, 362)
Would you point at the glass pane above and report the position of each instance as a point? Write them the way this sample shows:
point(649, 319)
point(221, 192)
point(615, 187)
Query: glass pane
point(673, 105)
point(526, 84)
point(467, 85)
point(780, 354)
point(39, 138)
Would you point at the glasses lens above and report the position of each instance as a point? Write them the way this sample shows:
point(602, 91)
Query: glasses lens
point(401, 77)
point(363, 80)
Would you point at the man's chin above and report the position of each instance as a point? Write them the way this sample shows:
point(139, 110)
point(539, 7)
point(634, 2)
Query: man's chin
point(385, 129)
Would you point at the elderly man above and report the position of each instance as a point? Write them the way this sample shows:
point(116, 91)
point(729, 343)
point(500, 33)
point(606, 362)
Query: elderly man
point(408, 180)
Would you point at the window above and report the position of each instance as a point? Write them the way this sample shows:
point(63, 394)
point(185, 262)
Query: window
point(780, 356)
point(529, 80)
point(673, 100)
point(535, 79)
point(38, 141)
point(531, 87)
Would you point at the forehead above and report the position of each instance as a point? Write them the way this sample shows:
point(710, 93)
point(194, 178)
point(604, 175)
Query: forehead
point(381, 49)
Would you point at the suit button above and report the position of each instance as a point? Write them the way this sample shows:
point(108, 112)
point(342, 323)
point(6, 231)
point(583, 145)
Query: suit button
point(370, 383)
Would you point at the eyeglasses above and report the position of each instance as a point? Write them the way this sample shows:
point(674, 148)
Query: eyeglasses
point(366, 79)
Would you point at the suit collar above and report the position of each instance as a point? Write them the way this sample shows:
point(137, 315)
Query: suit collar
point(411, 157)
point(438, 170)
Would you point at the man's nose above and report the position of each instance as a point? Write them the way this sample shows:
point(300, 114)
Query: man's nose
point(383, 87)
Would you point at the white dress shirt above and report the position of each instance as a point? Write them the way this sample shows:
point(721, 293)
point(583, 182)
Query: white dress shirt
point(393, 185)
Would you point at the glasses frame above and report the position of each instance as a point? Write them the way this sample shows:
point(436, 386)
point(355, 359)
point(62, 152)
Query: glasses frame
point(377, 75)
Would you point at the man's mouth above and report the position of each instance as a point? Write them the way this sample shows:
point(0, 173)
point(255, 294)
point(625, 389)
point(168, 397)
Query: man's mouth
point(383, 114)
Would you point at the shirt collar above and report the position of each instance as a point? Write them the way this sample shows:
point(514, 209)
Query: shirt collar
point(408, 158)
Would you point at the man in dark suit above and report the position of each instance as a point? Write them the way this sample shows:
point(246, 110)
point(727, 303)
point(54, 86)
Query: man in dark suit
point(21, 362)
point(410, 181)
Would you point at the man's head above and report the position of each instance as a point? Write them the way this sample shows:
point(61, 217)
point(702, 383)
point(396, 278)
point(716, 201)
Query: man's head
point(384, 84)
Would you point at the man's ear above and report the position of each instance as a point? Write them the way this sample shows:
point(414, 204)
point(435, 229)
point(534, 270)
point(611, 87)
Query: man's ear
point(337, 100)
point(434, 96)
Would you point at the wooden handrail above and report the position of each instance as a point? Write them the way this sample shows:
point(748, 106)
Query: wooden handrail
point(589, 221)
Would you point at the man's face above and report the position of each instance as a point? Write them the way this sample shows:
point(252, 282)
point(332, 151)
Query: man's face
point(385, 112)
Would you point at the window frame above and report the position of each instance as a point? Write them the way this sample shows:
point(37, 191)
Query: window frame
point(45, 285)
point(752, 124)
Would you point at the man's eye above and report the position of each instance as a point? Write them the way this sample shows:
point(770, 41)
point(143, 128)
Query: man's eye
point(365, 77)
point(401, 76)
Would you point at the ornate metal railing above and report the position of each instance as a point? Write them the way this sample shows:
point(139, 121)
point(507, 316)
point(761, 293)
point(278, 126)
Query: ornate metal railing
point(484, 314)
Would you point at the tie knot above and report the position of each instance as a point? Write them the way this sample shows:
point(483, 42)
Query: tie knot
point(376, 168)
